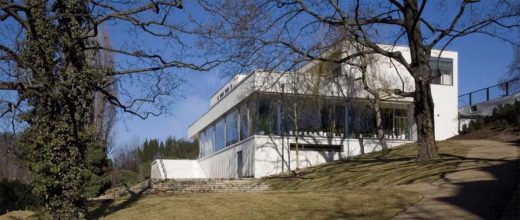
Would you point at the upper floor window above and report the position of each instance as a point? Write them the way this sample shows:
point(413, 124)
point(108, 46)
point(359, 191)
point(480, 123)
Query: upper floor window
point(443, 69)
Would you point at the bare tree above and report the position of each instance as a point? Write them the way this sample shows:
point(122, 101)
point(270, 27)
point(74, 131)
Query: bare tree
point(294, 104)
point(514, 68)
point(377, 96)
point(47, 50)
point(282, 34)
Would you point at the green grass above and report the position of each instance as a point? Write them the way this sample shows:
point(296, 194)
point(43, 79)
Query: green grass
point(323, 204)
point(378, 169)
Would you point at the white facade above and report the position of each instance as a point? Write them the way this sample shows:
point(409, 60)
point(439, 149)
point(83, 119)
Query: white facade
point(176, 169)
point(249, 132)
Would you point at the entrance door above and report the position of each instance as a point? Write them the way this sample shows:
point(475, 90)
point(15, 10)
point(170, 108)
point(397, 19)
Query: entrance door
point(240, 164)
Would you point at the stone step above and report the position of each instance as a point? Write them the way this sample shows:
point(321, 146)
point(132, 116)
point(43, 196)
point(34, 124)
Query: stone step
point(186, 186)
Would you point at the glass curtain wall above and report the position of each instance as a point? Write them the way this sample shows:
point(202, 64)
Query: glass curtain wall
point(244, 121)
point(260, 116)
point(362, 122)
point(265, 115)
point(333, 118)
point(220, 134)
point(232, 127)
point(313, 117)
point(228, 130)
point(206, 139)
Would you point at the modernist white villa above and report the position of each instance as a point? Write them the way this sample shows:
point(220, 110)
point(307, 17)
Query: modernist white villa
point(250, 127)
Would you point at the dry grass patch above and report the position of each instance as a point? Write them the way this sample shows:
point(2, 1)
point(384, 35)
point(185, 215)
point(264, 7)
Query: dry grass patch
point(17, 215)
point(378, 169)
point(324, 204)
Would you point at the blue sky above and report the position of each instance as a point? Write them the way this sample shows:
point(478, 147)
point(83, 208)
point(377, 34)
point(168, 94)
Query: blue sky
point(483, 61)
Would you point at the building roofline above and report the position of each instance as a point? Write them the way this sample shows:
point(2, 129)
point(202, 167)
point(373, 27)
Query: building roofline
point(232, 89)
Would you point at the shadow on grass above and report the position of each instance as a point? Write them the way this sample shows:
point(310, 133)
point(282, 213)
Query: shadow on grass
point(516, 142)
point(108, 207)
point(488, 198)
point(377, 171)
point(397, 167)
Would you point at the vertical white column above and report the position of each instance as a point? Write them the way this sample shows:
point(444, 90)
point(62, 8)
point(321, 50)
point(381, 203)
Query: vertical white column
point(347, 113)
point(278, 117)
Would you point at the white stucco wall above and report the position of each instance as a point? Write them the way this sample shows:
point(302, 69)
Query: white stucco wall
point(269, 150)
point(445, 99)
point(177, 169)
point(263, 155)
point(224, 164)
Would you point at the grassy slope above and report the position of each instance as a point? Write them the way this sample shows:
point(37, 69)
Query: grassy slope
point(17, 215)
point(363, 203)
point(375, 170)
point(356, 188)
point(508, 134)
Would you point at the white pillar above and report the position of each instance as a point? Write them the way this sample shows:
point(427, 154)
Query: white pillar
point(347, 113)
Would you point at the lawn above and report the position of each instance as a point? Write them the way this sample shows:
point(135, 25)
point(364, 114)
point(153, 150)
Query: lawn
point(324, 204)
point(378, 169)
point(356, 188)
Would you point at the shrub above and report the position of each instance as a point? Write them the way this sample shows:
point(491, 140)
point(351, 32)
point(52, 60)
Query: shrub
point(501, 123)
point(15, 195)
point(474, 125)
point(126, 178)
point(505, 115)
point(464, 129)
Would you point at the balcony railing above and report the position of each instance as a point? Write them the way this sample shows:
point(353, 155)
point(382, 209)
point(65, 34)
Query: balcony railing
point(489, 93)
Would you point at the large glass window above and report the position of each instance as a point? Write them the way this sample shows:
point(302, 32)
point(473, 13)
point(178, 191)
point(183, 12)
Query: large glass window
point(401, 128)
point(210, 139)
point(244, 122)
point(313, 117)
point(339, 119)
point(232, 128)
point(333, 118)
point(220, 138)
point(202, 144)
point(266, 117)
point(361, 120)
point(309, 117)
point(395, 123)
point(444, 69)
point(206, 141)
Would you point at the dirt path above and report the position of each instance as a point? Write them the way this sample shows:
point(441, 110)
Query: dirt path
point(479, 189)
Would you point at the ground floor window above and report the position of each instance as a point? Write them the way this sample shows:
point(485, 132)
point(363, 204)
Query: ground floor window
point(232, 127)
point(361, 120)
point(206, 141)
point(396, 123)
point(244, 122)
point(220, 134)
point(265, 116)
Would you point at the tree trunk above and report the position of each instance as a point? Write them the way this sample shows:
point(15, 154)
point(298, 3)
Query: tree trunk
point(379, 123)
point(424, 118)
point(420, 70)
